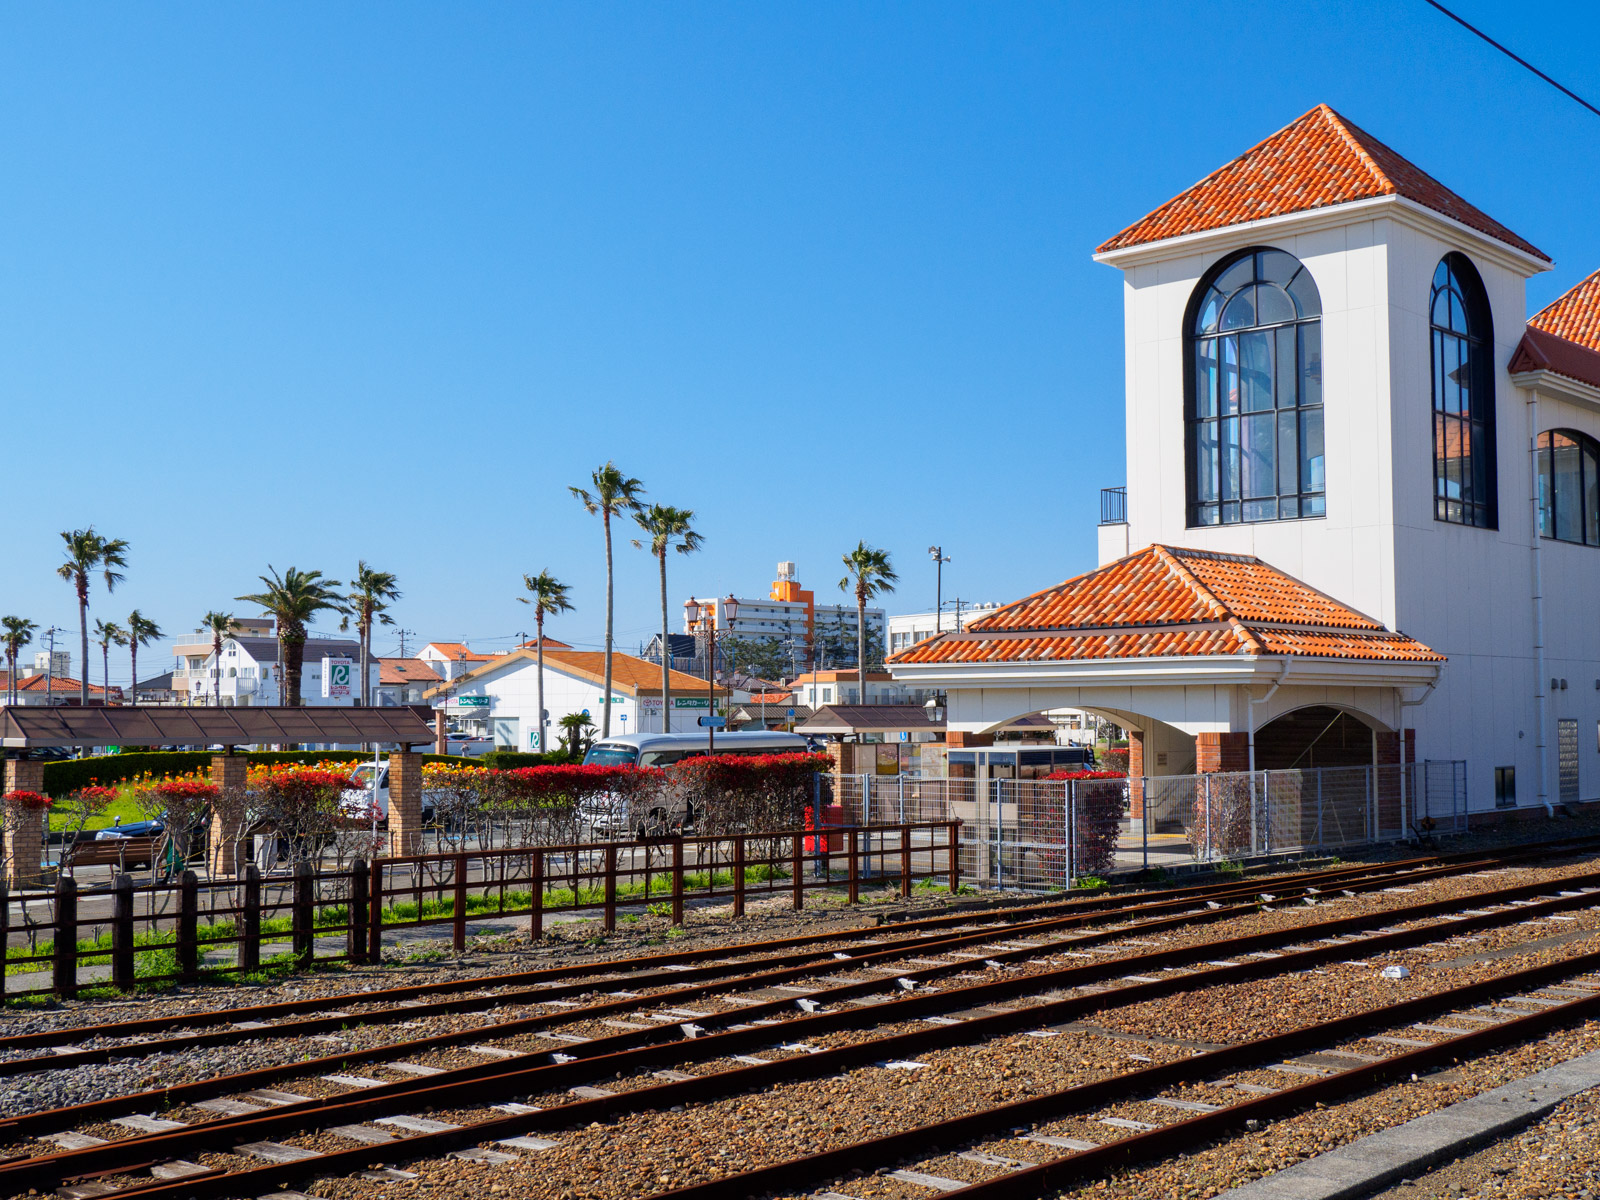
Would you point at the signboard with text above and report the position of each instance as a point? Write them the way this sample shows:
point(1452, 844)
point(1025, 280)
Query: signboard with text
point(338, 676)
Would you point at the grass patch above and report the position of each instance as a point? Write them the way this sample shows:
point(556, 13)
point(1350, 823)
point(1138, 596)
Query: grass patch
point(123, 806)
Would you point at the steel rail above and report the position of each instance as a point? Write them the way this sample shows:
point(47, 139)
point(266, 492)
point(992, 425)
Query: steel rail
point(1141, 902)
point(482, 1084)
point(222, 1085)
point(921, 1140)
point(925, 1141)
point(719, 971)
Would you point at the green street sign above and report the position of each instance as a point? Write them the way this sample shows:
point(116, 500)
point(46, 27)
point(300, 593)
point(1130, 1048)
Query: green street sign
point(690, 702)
point(472, 701)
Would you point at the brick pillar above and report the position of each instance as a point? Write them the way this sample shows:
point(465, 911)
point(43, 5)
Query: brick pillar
point(441, 738)
point(1135, 775)
point(24, 836)
point(1222, 752)
point(228, 772)
point(405, 803)
point(961, 739)
point(1387, 746)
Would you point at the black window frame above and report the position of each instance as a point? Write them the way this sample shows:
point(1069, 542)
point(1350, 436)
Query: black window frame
point(1300, 423)
point(1445, 343)
point(1552, 506)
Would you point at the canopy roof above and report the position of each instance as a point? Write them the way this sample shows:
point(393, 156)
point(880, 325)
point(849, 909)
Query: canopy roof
point(161, 725)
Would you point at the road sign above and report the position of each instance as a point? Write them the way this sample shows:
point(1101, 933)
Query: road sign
point(472, 701)
point(791, 712)
point(336, 677)
point(714, 722)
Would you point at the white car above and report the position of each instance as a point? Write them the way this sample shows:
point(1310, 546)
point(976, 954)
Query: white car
point(360, 794)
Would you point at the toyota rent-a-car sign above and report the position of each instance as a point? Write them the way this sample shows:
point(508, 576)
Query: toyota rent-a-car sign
point(338, 674)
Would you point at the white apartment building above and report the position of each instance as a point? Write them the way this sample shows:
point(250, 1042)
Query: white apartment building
point(907, 629)
point(1341, 424)
point(248, 673)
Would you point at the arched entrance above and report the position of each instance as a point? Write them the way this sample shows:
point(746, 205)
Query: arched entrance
point(1318, 736)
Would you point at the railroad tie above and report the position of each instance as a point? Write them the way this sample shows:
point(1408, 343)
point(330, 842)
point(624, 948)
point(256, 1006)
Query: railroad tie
point(417, 1124)
point(276, 1152)
point(352, 1081)
point(229, 1108)
point(937, 1182)
point(74, 1141)
point(414, 1069)
point(146, 1124)
point(271, 1096)
point(1061, 1143)
point(994, 1160)
point(178, 1168)
point(487, 1157)
point(528, 1143)
point(515, 1109)
point(362, 1133)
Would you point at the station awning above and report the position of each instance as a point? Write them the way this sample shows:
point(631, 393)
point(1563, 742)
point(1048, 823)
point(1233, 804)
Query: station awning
point(162, 725)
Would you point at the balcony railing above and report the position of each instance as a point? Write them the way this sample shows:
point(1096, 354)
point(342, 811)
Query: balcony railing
point(1114, 506)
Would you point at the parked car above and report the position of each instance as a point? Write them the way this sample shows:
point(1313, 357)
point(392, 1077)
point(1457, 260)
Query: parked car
point(133, 829)
point(360, 794)
point(468, 746)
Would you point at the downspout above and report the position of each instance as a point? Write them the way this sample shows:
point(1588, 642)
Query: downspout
point(1405, 704)
point(1542, 673)
point(1250, 710)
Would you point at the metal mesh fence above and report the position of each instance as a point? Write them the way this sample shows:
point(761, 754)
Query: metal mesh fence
point(1044, 834)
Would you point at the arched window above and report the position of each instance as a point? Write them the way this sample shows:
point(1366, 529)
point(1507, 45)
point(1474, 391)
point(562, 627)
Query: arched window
point(1255, 392)
point(1464, 483)
point(1569, 487)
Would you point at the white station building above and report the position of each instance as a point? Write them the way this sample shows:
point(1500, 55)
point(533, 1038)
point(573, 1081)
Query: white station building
point(1362, 493)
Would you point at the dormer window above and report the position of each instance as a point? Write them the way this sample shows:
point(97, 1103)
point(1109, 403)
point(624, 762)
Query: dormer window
point(1254, 428)
point(1464, 484)
point(1569, 487)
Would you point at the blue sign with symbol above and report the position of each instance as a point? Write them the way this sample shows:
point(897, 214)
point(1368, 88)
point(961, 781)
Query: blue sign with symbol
point(714, 722)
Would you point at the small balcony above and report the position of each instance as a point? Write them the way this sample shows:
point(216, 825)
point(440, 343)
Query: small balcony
point(1114, 506)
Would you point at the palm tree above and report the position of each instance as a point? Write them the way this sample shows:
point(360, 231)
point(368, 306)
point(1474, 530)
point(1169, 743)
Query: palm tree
point(17, 633)
point(220, 625)
point(870, 574)
point(293, 599)
point(370, 594)
point(613, 493)
point(88, 552)
point(576, 724)
point(106, 635)
point(668, 528)
point(548, 596)
point(141, 632)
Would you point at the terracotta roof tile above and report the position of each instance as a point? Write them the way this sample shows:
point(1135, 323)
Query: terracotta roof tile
point(1166, 602)
point(458, 651)
point(1319, 160)
point(1575, 316)
point(1564, 336)
point(406, 670)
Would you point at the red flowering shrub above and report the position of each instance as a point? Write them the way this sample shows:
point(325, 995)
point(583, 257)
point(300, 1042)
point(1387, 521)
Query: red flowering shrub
point(746, 793)
point(1097, 818)
point(31, 801)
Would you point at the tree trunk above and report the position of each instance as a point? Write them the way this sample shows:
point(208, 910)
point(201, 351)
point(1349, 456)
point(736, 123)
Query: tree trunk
point(366, 632)
point(133, 665)
point(861, 641)
point(538, 717)
point(216, 678)
point(295, 650)
point(666, 654)
point(105, 668)
point(83, 636)
point(605, 701)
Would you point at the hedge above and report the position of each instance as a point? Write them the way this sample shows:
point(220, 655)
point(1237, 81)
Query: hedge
point(64, 778)
point(510, 760)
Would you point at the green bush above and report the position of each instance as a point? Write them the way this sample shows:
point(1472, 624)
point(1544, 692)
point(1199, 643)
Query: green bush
point(510, 760)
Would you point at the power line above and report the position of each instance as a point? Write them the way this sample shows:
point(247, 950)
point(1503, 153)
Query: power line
point(1513, 56)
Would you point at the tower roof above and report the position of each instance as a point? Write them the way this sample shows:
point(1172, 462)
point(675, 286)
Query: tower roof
point(1564, 336)
point(1319, 160)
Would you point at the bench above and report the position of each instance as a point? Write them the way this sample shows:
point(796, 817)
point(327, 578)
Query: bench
point(122, 853)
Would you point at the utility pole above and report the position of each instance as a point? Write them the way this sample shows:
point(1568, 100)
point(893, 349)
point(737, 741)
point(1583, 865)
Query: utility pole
point(403, 634)
point(939, 559)
point(50, 665)
point(958, 602)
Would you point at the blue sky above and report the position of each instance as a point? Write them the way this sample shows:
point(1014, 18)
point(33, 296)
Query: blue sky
point(302, 284)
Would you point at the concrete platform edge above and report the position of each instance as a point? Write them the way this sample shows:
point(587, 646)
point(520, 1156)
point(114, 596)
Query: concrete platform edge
point(1380, 1159)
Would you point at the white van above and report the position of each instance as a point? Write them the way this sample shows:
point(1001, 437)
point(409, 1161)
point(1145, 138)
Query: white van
point(608, 816)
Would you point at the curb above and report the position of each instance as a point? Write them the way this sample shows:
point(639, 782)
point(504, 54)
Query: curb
point(1408, 1150)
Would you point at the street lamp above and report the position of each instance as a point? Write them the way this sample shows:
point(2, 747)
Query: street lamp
point(939, 559)
point(701, 616)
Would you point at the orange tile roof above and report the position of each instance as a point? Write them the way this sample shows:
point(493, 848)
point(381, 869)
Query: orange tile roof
point(59, 684)
point(550, 643)
point(628, 673)
point(1165, 602)
point(1575, 316)
point(1564, 336)
point(759, 698)
point(1316, 161)
point(458, 651)
point(406, 670)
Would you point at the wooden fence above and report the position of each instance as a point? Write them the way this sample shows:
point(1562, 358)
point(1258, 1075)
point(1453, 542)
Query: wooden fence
point(160, 932)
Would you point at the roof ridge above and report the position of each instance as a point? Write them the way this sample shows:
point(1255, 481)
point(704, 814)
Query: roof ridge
point(1347, 130)
point(1192, 581)
point(1564, 298)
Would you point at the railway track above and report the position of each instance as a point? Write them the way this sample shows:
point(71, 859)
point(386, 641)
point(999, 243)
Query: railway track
point(377, 1113)
point(681, 981)
point(407, 1003)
